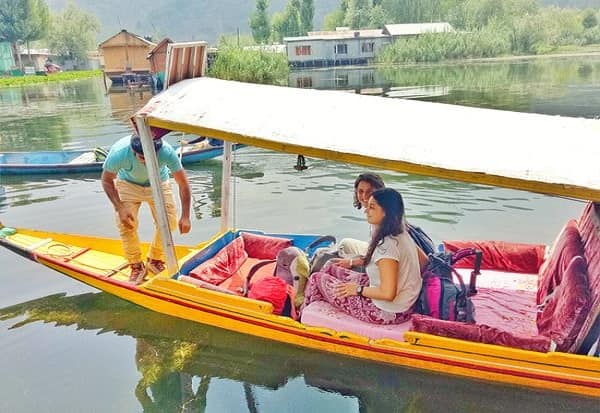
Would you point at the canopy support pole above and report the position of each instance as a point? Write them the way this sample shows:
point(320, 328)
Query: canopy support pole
point(157, 195)
point(226, 187)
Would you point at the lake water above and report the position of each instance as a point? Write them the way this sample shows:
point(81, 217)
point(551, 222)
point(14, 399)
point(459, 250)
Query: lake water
point(68, 348)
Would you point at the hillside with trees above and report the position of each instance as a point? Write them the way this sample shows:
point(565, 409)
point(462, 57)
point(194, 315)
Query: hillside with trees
point(181, 19)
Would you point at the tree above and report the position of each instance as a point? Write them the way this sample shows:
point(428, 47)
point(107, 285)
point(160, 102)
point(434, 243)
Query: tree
point(307, 13)
point(336, 17)
point(358, 14)
point(259, 22)
point(23, 21)
point(589, 19)
point(73, 32)
point(288, 22)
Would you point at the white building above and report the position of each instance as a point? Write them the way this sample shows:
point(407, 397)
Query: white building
point(334, 48)
point(344, 46)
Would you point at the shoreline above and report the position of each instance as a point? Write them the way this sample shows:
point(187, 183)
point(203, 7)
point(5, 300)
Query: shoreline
point(18, 81)
point(558, 54)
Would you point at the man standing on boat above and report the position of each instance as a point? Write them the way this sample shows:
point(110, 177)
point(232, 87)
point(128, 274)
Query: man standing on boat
point(125, 181)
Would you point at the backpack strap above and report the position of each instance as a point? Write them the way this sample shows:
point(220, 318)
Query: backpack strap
point(467, 252)
point(253, 271)
point(321, 240)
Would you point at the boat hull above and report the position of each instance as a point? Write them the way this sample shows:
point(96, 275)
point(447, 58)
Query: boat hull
point(57, 162)
point(550, 371)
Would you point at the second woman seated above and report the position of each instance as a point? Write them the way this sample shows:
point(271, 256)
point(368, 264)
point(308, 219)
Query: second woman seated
point(387, 292)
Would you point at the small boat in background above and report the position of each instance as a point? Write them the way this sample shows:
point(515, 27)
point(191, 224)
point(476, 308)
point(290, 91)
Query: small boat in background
point(84, 160)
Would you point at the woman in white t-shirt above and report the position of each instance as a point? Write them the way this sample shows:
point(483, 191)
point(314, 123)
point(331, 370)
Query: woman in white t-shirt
point(388, 291)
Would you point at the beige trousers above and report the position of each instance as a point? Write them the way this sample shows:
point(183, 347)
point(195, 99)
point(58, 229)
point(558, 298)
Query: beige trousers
point(132, 197)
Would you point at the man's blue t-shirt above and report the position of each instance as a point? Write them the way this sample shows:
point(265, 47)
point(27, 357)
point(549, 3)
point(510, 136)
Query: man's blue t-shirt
point(122, 160)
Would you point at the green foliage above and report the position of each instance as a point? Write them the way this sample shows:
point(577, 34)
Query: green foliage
point(333, 20)
point(592, 36)
point(589, 19)
point(259, 22)
point(358, 14)
point(307, 14)
point(435, 47)
point(23, 20)
point(249, 65)
point(488, 28)
point(73, 32)
point(57, 77)
point(288, 22)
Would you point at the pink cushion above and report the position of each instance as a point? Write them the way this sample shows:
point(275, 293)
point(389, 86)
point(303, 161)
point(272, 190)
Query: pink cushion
point(264, 247)
point(501, 256)
point(568, 307)
point(223, 265)
point(567, 245)
point(480, 333)
point(323, 314)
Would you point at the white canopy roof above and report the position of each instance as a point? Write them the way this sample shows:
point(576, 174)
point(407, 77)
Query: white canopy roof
point(540, 153)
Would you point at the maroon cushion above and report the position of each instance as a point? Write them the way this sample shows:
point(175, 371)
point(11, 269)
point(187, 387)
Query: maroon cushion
point(568, 307)
point(264, 247)
point(501, 256)
point(589, 229)
point(480, 333)
point(567, 245)
point(223, 265)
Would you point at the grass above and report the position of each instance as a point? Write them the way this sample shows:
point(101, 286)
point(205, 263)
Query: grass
point(16, 81)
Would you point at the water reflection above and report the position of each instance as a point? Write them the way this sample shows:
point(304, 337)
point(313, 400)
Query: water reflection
point(362, 80)
point(125, 104)
point(551, 86)
point(179, 362)
point(59, 116)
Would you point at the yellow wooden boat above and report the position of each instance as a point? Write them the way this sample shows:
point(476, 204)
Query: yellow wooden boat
point(551, 155)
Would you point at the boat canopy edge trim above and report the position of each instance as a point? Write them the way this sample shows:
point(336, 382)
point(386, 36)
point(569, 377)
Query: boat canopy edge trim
point(571, 191)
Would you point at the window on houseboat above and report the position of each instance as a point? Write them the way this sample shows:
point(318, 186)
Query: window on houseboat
point(303, 51)
point(340, 49)
point(367, 47)
point(341, 80)
point(368, 79)
point(305, 81)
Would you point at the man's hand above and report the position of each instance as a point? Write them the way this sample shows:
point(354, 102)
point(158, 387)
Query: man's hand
point(184, 225)
point(126, 217)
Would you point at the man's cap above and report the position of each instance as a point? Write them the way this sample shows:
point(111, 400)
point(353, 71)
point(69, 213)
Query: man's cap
point(136, 144)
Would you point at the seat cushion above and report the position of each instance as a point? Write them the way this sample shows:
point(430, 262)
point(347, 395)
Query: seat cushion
point(567, 246)
point(568, 307)
point(263, 247)
point(501, 256)
point(323, 314)
point(589, 229)
point(480, 333)
point(223, 265)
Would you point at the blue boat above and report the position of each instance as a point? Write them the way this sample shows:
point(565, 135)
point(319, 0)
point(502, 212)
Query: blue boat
point(82, 160)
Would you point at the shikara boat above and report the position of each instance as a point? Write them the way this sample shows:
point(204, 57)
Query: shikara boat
point(82, 160)
point(544, 154)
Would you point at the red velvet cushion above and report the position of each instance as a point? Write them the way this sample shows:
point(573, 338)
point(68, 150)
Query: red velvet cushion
point(501, 256)
point(264, 247)
point(567, 245)
point(478, 332)
point(589, 229)
point(568, 307)
point(223, 265)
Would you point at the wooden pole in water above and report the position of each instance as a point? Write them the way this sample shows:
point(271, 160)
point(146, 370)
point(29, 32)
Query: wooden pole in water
point(226, 187)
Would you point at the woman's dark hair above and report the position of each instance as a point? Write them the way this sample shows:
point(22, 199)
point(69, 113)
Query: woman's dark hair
point(373, 179)
point(136, 144)
point(393, 222)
